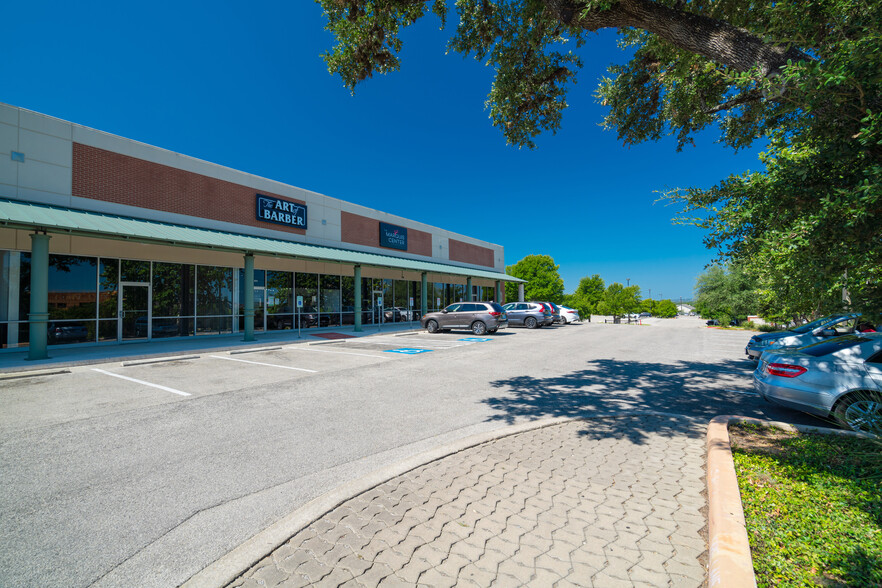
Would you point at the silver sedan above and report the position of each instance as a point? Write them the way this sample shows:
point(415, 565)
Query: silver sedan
point(839, 378)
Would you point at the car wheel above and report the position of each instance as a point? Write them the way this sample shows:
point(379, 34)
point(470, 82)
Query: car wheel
point(563, 320)
point(479, 328)
point(432, 326)
point(530, 322)
point(860, 411)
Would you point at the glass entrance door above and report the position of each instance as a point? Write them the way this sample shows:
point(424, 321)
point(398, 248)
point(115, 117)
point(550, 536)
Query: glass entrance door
point(134, 316)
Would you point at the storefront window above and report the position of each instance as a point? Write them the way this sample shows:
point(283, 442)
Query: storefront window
point(72, 283)
point(416, 288)
point(132, 270)
point(10, 291)
point(459, 292)
point(108, 291)
point(279, 300)
point(306, 285)
point(214, 291)
point(107, 330)
point(216, 325)
point(330, 300)
point(173, 288)
point(402, 294)
point(347, 299)
point(367, 300)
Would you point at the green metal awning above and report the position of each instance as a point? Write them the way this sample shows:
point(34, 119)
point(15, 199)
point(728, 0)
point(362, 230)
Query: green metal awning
point(52, 219)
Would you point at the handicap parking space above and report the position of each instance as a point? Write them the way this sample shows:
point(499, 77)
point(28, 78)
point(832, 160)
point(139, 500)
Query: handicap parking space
point(416, 340)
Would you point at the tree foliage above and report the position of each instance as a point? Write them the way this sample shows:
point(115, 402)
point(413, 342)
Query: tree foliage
point(619, 300)
point(726, 294)
point(587, 295)
point(543, 280)
point(802, 76)
point(664, 309)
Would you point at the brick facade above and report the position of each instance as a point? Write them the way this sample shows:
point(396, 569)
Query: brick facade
point(362, 230)
point(112, 177)
point(468, 253)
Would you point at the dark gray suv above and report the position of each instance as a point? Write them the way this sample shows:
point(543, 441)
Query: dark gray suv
point(528, 314)
point(479, 317)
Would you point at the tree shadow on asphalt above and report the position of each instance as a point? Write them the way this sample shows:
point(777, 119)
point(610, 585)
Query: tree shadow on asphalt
point(613, 387)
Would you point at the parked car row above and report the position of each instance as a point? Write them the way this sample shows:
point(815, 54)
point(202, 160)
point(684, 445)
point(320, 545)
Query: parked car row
point(489, 317)
point(831, 368)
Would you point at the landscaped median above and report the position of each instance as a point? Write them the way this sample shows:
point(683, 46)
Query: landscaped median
point(812, 505)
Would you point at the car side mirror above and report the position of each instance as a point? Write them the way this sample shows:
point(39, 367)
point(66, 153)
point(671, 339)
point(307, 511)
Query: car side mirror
point(444, 311)
point(828, 332)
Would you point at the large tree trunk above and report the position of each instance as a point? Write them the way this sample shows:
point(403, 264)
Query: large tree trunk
point(713, 39)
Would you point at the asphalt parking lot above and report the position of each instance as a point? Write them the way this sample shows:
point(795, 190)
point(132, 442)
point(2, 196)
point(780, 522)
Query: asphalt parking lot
point(127, 473)
point(88, 391)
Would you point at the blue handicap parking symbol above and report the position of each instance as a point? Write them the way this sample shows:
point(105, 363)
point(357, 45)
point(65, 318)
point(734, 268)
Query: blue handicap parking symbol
point(476, 339)
point(408, 351)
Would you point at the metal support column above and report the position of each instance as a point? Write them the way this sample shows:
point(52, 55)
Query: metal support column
point(357, 308)
point(499, 298)
point(520, 292)
point(38, 316)
point(249, 297)
point(470, 295)
point(424, 295)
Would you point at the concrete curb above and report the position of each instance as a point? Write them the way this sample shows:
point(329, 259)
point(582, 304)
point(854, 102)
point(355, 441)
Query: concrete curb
point(729, 560)
point(33, 373)
point(159, 360)
point(233, 564)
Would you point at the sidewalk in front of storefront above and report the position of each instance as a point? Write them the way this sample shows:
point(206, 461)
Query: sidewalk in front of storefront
point(64, 356)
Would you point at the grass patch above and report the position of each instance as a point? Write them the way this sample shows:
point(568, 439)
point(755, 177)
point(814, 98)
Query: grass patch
point(813, 506)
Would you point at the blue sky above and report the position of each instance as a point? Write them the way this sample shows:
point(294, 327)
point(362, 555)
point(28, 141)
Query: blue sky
point(243, 85)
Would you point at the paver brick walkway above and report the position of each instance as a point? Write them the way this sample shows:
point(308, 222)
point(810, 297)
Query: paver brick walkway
point(605, 502)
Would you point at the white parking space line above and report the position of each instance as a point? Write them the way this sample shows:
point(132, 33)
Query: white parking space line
point(298, 348)
point(284, 367)
point(166, 388)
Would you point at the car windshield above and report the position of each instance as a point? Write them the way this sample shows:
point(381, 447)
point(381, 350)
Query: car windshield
point(809, 327)
point(833, 345)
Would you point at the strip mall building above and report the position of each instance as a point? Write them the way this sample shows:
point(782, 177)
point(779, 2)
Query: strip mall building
point(104, 239)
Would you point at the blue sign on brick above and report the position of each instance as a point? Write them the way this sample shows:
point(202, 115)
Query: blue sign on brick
point(392, 236)
point(408, 351)
point(283, 212)
point(476, 339)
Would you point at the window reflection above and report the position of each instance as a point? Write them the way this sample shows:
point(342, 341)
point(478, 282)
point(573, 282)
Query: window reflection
point(72, 282)
point(214, 293)
point(133, 270)
point(330, 300)
point(173, 290)
point(279, 300)
point(108, 292)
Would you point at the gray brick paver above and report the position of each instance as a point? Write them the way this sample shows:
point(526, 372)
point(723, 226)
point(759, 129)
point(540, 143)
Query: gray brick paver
point(290, 562)
point(547, 507)
point(372, 576)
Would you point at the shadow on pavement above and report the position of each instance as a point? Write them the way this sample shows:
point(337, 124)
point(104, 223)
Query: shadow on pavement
point(613, 387)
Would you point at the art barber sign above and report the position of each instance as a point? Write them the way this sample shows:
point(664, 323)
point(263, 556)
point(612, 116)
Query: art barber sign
point(282, 212)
